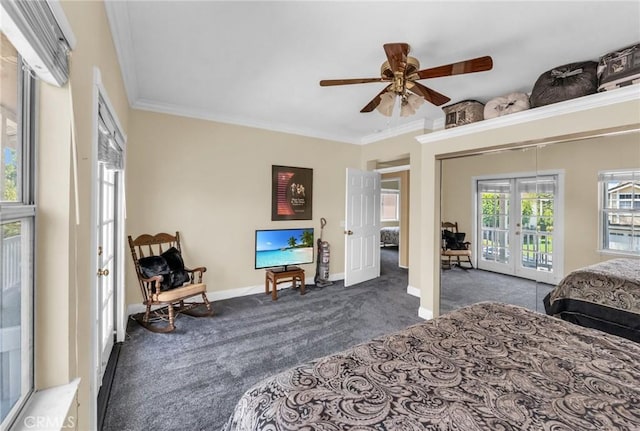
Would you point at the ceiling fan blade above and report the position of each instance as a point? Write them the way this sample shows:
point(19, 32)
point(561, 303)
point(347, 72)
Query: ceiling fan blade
point(329, 82)
point(479, 64)
point(375, 101)
point(428, 94)
point(397, 56)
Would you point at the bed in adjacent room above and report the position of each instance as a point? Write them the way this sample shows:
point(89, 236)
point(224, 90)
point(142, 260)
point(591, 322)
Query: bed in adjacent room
point(488, 366)
point(604, 296)
point(390, 235)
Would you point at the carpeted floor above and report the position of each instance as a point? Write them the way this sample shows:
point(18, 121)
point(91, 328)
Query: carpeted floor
point(192, 378)
point(461, 287)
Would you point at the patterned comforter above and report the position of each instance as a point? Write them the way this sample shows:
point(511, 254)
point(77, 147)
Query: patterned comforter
point(390, 235)
point(488, 366)
point(604, 296)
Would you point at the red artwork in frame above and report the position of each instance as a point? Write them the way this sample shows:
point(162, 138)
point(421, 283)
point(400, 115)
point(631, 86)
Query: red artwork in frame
point(291, 193)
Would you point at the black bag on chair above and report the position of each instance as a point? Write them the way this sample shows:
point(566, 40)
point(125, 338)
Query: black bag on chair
point(454, 241)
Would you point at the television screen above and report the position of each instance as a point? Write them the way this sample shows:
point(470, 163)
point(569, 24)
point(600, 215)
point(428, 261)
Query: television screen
point(283, 247)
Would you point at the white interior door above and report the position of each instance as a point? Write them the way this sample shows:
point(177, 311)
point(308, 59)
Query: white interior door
point(517, 226)
point(106, 230)
point(362, 227)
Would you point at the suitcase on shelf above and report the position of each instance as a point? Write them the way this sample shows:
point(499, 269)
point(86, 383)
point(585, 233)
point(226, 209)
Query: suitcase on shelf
point(619, 68)
point(461, 113)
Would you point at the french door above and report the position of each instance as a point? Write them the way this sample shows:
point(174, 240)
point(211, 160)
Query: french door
point(518, 225)
point(106, 230)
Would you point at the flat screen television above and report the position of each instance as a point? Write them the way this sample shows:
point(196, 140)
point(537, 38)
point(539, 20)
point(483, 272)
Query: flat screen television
point(281, 248)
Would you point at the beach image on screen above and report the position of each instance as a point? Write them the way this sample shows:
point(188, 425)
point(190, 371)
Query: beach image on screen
point(283, 247)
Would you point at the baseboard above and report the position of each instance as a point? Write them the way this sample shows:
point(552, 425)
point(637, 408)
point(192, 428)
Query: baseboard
point(218, 295)
point(403, 266)
point(413, 291)
point(425, 313)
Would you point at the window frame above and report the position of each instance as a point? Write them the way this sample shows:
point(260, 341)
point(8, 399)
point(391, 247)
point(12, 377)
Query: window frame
point(396, 193)
point(24, 211)
point(606, 213)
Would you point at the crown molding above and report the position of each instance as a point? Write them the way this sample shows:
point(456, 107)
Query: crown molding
point(396, 131)
point(181, 111)
point(119, 23)
point(598, 100)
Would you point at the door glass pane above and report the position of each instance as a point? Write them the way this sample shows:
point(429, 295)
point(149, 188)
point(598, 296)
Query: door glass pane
point(536, 221)
point(494, 218)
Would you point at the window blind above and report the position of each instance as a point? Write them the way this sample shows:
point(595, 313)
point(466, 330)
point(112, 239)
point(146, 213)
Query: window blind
point(110, 140)
point(494, 186)
point(33, 29)
point(620, 176)
point(541, 184)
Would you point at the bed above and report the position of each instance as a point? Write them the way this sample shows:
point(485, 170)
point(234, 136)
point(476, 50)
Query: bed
point(488, 366)
point(604, 296)
point(390, 235)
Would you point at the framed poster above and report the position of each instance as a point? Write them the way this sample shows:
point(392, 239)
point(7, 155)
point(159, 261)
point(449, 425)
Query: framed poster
point(291, 193)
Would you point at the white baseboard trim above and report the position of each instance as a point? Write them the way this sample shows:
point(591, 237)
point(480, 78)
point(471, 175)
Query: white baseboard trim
point(413, 291)
point(425, 313)
point(403, 266)
point(219, 295)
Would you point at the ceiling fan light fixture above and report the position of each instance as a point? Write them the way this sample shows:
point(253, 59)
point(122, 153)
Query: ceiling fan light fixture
point(415, 101)
point(387, 101)
point(410, 104)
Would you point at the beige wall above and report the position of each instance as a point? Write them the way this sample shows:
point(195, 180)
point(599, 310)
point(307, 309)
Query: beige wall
point(580, 161)
point(64, 277)
point(212, 182)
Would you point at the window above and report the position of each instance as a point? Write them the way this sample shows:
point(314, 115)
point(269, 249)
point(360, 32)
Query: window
point(17, 216)
point(620, 211)
point(390, 205)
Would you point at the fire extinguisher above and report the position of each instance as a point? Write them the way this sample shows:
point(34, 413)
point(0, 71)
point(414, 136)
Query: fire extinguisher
point(322, 266)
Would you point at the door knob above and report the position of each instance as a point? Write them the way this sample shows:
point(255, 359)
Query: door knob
point(102, 272)
point(348, 232)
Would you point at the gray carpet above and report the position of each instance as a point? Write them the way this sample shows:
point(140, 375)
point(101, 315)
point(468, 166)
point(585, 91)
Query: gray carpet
point(461, 287)
point(191, 379)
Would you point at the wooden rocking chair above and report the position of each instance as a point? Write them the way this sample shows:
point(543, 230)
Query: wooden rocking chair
point(453, 245)
point(165, 282)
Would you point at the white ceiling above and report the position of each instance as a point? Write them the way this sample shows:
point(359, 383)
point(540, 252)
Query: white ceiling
point(259, 63)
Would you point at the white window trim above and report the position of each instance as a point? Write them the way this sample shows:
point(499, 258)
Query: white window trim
point(602, 191)
point(395, 192)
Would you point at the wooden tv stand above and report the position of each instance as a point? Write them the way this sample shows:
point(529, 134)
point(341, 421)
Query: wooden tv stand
point(275, 276)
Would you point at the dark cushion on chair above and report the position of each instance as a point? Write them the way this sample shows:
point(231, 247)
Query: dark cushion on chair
point(178, 275)
point(151, 266)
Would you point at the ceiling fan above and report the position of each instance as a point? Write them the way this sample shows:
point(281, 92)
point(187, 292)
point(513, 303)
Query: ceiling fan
point(402, 72)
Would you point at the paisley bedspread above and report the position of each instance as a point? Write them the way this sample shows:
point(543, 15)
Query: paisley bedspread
point(390, 235)
point(488, 366)
point(604, 296)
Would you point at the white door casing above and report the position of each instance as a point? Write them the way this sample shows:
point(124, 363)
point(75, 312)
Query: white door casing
point(362, 226)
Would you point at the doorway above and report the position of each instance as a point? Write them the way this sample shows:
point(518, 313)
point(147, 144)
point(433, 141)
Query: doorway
point(108, 242)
